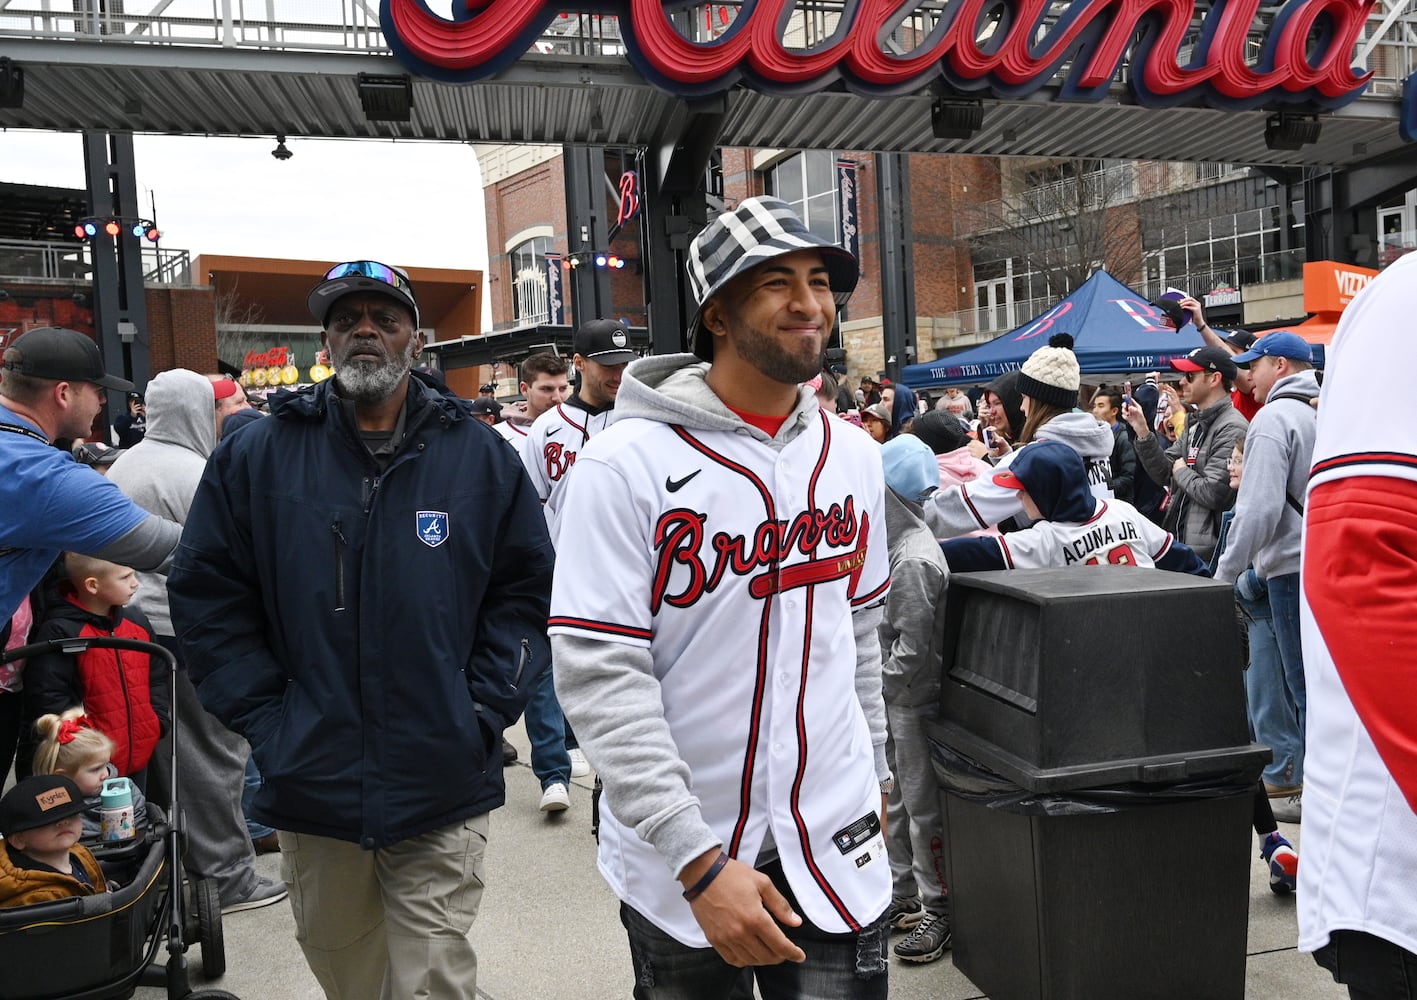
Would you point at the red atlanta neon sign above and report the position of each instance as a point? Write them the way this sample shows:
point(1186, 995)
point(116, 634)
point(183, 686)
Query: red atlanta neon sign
point(1305, 55)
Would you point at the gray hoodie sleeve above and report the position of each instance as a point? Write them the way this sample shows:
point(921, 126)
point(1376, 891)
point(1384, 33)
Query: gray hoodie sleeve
point(148, 547)
point(865, 622)
point(612, 699)
point(1155, 462)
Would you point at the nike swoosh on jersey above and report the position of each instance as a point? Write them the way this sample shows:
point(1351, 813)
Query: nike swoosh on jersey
point(675, 485)
point(554, 428)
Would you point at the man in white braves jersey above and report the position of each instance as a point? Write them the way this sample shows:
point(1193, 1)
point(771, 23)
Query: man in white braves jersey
point(545, 384)
point(1359, 580)
point(1072, 527)
point(714, 636)
point(602, 350)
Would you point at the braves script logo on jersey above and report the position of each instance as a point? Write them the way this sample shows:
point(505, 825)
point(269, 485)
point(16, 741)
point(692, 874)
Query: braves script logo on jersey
point(681, 539)
point(558, 460)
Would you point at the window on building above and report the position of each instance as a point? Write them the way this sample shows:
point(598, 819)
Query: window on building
point(531, 303)
point(1226, 251)
point(807, 182)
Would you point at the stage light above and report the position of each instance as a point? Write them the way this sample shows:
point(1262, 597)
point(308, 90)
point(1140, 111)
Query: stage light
point(151, 234)
point(956, 119)
point(112, 227)
point(81, 231)
point(600, 260)
point(1290, 132)
point(139, 228)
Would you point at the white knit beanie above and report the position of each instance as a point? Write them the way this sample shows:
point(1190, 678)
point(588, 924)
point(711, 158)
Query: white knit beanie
point(1051, 374)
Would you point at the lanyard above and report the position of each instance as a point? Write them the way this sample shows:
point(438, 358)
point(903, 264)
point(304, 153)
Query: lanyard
point(18, 429)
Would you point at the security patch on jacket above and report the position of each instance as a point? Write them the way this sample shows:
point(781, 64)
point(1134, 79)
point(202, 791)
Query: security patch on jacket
point(432, 527)
point(851, 837)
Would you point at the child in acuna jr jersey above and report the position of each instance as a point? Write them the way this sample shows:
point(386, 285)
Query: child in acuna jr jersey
point(1073, 527)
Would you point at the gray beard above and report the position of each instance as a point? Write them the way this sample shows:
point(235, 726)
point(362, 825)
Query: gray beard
point(372, 381)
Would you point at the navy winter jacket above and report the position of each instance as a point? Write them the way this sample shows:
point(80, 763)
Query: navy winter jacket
point(370, 633)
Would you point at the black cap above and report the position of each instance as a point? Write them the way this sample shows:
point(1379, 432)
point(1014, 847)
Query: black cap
point(1207, 359)
point(53, 352)
point(38, 801)
point(361, 276)
point(484, 405)
point(135, 397)
point(604, 341)
point(1243, 339)
point(95, 453)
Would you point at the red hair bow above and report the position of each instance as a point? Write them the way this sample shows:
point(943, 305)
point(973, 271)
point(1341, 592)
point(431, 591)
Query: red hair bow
point(70, 727)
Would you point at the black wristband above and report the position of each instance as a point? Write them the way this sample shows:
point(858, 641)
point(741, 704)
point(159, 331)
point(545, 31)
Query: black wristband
point(697, 889)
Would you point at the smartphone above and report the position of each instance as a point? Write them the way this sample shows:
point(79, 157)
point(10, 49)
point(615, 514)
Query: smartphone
point(1127, 393)
point(986, 435)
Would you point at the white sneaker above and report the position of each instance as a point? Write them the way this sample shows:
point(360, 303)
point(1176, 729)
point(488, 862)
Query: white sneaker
point(555, 798)
point(580, 767)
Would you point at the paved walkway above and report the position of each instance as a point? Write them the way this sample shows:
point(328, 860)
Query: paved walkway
point(549, 928)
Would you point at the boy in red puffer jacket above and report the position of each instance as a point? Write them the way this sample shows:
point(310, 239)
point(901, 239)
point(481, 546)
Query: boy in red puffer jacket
point(120, 693)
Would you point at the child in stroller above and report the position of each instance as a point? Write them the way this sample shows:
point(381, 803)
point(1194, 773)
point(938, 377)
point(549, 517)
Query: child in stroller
point(42, 859)
point(70, 745)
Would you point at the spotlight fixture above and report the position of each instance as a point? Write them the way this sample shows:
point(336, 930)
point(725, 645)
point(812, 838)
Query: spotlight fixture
point(114, 226)
point(956, 119)
point(385, 98)
point(281, 152)
point(1287, 131)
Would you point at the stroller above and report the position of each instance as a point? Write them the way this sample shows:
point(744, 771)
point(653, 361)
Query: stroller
point(104, 946)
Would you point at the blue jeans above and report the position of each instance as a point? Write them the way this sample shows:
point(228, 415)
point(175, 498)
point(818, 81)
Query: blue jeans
point(248, 792)
point(1272, 713)
point(838, 966)
point(1371, 967)
point(546, 729)
point(1284, 603)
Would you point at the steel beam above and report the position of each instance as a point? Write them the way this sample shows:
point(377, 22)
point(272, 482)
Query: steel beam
point(120, 303)
point(587, 230)
point(897, 261)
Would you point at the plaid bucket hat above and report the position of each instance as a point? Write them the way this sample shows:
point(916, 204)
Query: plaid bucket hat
point(758, 230)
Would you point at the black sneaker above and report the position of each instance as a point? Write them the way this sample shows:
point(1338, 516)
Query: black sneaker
point(509, 753)
point(904, 913)
point(928, 941)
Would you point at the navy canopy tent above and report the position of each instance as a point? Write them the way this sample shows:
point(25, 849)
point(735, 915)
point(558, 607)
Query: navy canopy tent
point(1114, 330)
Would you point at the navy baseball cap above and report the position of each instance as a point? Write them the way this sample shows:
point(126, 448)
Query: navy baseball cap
point(1207, 359)
point(52, 352)
point(361, 276)
point(1279, 344)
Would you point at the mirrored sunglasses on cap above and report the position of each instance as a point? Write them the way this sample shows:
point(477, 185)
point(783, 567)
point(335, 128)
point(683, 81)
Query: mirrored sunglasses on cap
point(371, 269)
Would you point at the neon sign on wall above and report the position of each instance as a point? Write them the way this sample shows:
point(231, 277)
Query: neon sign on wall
point(1305, 55)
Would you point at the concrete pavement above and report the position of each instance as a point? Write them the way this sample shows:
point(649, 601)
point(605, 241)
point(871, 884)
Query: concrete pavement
point(549, 928)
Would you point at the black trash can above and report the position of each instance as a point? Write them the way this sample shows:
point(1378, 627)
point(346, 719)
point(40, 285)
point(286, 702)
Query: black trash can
point(1096, 781)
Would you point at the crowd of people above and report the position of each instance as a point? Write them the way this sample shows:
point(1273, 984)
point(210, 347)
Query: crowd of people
point(716, 578)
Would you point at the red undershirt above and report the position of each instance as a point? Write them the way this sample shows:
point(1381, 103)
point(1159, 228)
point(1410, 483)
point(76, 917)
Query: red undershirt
point(768, 425)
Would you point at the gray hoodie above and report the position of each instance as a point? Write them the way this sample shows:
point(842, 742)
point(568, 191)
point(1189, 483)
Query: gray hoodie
point(913, 626)
point(160, 473)
point(958, 510)
point(601, 685)
point(1279, 450)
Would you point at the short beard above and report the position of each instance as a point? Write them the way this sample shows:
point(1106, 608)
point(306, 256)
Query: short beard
point(367, 382)
point(765, 354)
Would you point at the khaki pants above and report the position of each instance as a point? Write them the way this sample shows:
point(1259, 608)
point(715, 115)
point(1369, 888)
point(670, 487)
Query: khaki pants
point(390, 924)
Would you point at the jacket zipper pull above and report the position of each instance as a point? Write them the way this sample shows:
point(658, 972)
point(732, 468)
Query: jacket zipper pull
point(371, 490)
point(521, 664)
point(337, 530)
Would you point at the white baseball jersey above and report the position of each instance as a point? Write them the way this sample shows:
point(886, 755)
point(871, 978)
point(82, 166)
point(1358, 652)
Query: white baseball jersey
point(739, 566)
point(553, 442)
point(513, 434)
point(1359, 867)
point(1117, 534)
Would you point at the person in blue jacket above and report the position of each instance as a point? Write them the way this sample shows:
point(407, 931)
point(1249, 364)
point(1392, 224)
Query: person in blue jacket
point(362, 592)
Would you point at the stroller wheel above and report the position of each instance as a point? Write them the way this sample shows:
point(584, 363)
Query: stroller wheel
point(206, 909)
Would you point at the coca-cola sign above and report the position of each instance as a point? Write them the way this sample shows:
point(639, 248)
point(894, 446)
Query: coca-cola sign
point(1306, 51)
